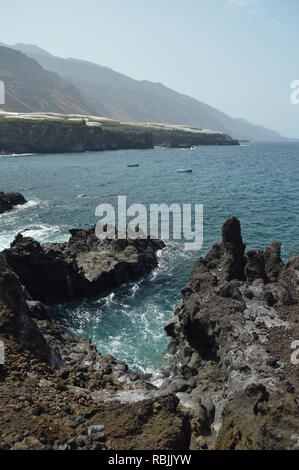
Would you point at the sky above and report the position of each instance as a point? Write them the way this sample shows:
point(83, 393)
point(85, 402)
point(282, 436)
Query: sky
point(239, 56)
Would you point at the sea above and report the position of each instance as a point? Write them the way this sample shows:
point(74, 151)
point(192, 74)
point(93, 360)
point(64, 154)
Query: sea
point(256, 182)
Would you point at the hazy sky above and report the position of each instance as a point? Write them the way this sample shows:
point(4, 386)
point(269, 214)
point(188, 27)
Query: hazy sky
point(237, 55)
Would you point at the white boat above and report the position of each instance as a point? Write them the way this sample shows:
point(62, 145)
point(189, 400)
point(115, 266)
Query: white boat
point(184, 170)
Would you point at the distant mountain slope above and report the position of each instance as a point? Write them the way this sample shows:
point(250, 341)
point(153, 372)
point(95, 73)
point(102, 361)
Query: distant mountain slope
point(28, 87)
point(117, 96)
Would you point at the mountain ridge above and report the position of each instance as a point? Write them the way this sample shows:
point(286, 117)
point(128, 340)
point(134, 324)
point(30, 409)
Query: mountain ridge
point(28, 87)
point(114, 95)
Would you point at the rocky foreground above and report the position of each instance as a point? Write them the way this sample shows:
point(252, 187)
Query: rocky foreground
point(231, 384)
point(60, 393)
point(232, 337)
point(9, 200)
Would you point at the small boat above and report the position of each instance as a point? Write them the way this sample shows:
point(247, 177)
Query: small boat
point(133, 165)
point(184, 170)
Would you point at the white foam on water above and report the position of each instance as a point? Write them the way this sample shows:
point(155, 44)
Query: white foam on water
point(116, 344)
point(6, 239)
point(18, 155)
point(167, 257)
point(43, 233)
point(134, 289)
point(7, 216)
point(31, 203)
point(108, 301)
point(11, 218)
point(128, 323)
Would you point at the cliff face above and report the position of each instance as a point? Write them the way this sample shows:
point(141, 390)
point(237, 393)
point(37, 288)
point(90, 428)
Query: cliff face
point(232, 337)
point(45, 136)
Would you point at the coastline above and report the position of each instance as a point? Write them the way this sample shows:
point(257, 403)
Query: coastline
point(211, 384)
point(48, 133)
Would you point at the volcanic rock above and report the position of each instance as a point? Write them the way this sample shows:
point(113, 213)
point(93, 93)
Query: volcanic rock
point(232, 335)
point(83, 267)
point(9, 200)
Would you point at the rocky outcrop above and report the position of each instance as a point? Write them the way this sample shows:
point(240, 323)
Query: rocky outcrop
point(231, 383)
point(90, 402)
point(58, 392)
point(9, 200)
point(50, 136)
point(232, 337)
point(82, 267)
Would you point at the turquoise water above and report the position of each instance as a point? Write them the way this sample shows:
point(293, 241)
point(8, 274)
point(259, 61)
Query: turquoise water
point(258, 183)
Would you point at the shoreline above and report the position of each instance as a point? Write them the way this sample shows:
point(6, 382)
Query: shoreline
point(206, 387)
point(47, 134)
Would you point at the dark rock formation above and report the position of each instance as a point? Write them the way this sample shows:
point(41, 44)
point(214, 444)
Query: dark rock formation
point(232, 337)
point(9, 200)
point(50, 136)
point(228, 257)
point(15, 317)
point(83, 267)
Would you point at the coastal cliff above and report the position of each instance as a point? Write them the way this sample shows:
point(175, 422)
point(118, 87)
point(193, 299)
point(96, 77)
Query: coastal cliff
point(50, 136)
point(56, 133)
point(184, 139)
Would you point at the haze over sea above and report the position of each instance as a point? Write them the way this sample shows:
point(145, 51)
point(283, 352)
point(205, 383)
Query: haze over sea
point(258, 183)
